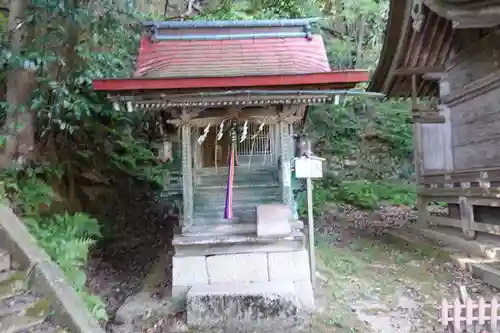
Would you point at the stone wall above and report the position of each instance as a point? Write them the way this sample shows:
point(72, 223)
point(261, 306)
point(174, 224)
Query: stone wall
point(289, 266)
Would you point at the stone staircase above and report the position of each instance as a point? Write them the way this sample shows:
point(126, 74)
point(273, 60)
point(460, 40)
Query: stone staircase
point(251, 188)
point(21, 309)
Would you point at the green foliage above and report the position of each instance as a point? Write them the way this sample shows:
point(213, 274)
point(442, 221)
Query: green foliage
point(261, 9)
point(339, 128)
point(361, 171)
point(353, 26)
point(79, 43)
point(78, 129)
point(66, 238)
point(369, 195)
point(393, 126)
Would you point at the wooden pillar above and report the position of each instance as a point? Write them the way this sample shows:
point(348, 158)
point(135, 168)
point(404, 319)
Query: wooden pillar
point(422, 202)
point(187, 176)
point(467, 217)
point(285, 156)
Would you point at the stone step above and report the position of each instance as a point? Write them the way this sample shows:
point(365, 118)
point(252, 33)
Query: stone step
point(216, 228)
point(21, 310)
point(478, 258)
point(483, 246)
point(192, 244)
point(246, 305)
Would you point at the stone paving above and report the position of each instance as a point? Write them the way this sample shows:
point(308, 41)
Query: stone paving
point(21, 310)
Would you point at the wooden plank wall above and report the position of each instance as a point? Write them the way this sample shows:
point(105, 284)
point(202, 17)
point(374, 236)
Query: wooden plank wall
point(476, 132)
point(474, 102)
point(436, 145)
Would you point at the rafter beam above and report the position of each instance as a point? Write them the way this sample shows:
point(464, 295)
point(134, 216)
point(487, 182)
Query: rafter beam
point(418, 71)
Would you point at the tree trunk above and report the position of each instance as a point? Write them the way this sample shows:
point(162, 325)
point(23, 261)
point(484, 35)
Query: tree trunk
point(20, 121)
point(360, 40)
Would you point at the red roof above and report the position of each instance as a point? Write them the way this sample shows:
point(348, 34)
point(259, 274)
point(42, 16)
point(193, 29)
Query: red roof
point(227, 54)
point(231, 57)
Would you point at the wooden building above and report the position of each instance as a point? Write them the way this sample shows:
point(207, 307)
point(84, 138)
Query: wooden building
point(239, 89)
point(448, 52)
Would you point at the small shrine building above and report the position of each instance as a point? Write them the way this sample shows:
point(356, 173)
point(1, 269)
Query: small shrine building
point(228, 96)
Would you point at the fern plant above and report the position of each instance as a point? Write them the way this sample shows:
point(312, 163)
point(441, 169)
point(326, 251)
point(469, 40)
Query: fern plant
point(65, 237)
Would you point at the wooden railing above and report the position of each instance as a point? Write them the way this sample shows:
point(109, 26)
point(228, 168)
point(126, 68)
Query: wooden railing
point(471, 190)
point(479, 182)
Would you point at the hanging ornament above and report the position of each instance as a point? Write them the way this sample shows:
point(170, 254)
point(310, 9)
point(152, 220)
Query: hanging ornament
point(259, 129)
point(165, 151)
point(245, 131)
point(202, 137)
point(221, 131)
point(234, 133)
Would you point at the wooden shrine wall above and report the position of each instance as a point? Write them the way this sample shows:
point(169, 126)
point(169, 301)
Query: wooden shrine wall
point(472, 94)
point(476, 131)
point(436, 145)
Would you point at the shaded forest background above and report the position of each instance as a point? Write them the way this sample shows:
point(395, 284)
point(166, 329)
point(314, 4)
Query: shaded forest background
point(66, 154)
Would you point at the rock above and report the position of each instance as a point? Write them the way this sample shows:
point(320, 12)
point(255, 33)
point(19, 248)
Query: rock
point(5, 262)
point(251, 305)
point(142, 307)
point(273, 220)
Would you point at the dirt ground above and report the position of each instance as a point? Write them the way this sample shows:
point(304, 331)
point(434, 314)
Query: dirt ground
point(365, 283)
point(380, 284)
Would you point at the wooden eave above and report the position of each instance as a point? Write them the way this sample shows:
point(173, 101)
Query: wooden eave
point(467, 14)
point(241, 100)
point(408, 51)
point(341, 79)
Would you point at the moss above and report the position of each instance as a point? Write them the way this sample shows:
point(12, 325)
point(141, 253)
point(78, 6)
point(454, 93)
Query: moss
point(12, 285)
point(39, 309)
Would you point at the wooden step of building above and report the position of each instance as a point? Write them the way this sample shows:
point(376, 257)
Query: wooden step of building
point(251, 187)
point(237, 180)
point(201, 206)
point(241, 215)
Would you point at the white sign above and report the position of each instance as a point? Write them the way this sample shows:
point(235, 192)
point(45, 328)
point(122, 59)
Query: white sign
point(311, 167)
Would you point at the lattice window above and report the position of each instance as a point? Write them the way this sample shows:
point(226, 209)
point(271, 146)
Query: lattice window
point(256, 145)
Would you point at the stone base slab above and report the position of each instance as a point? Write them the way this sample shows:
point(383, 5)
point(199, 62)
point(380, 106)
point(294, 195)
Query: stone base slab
point(191, 246)
point(254, 305)
point(220, 227)
point(259, 270)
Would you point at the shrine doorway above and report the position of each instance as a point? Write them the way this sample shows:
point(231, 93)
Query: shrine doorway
point(258, 149)
point(214, 152)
